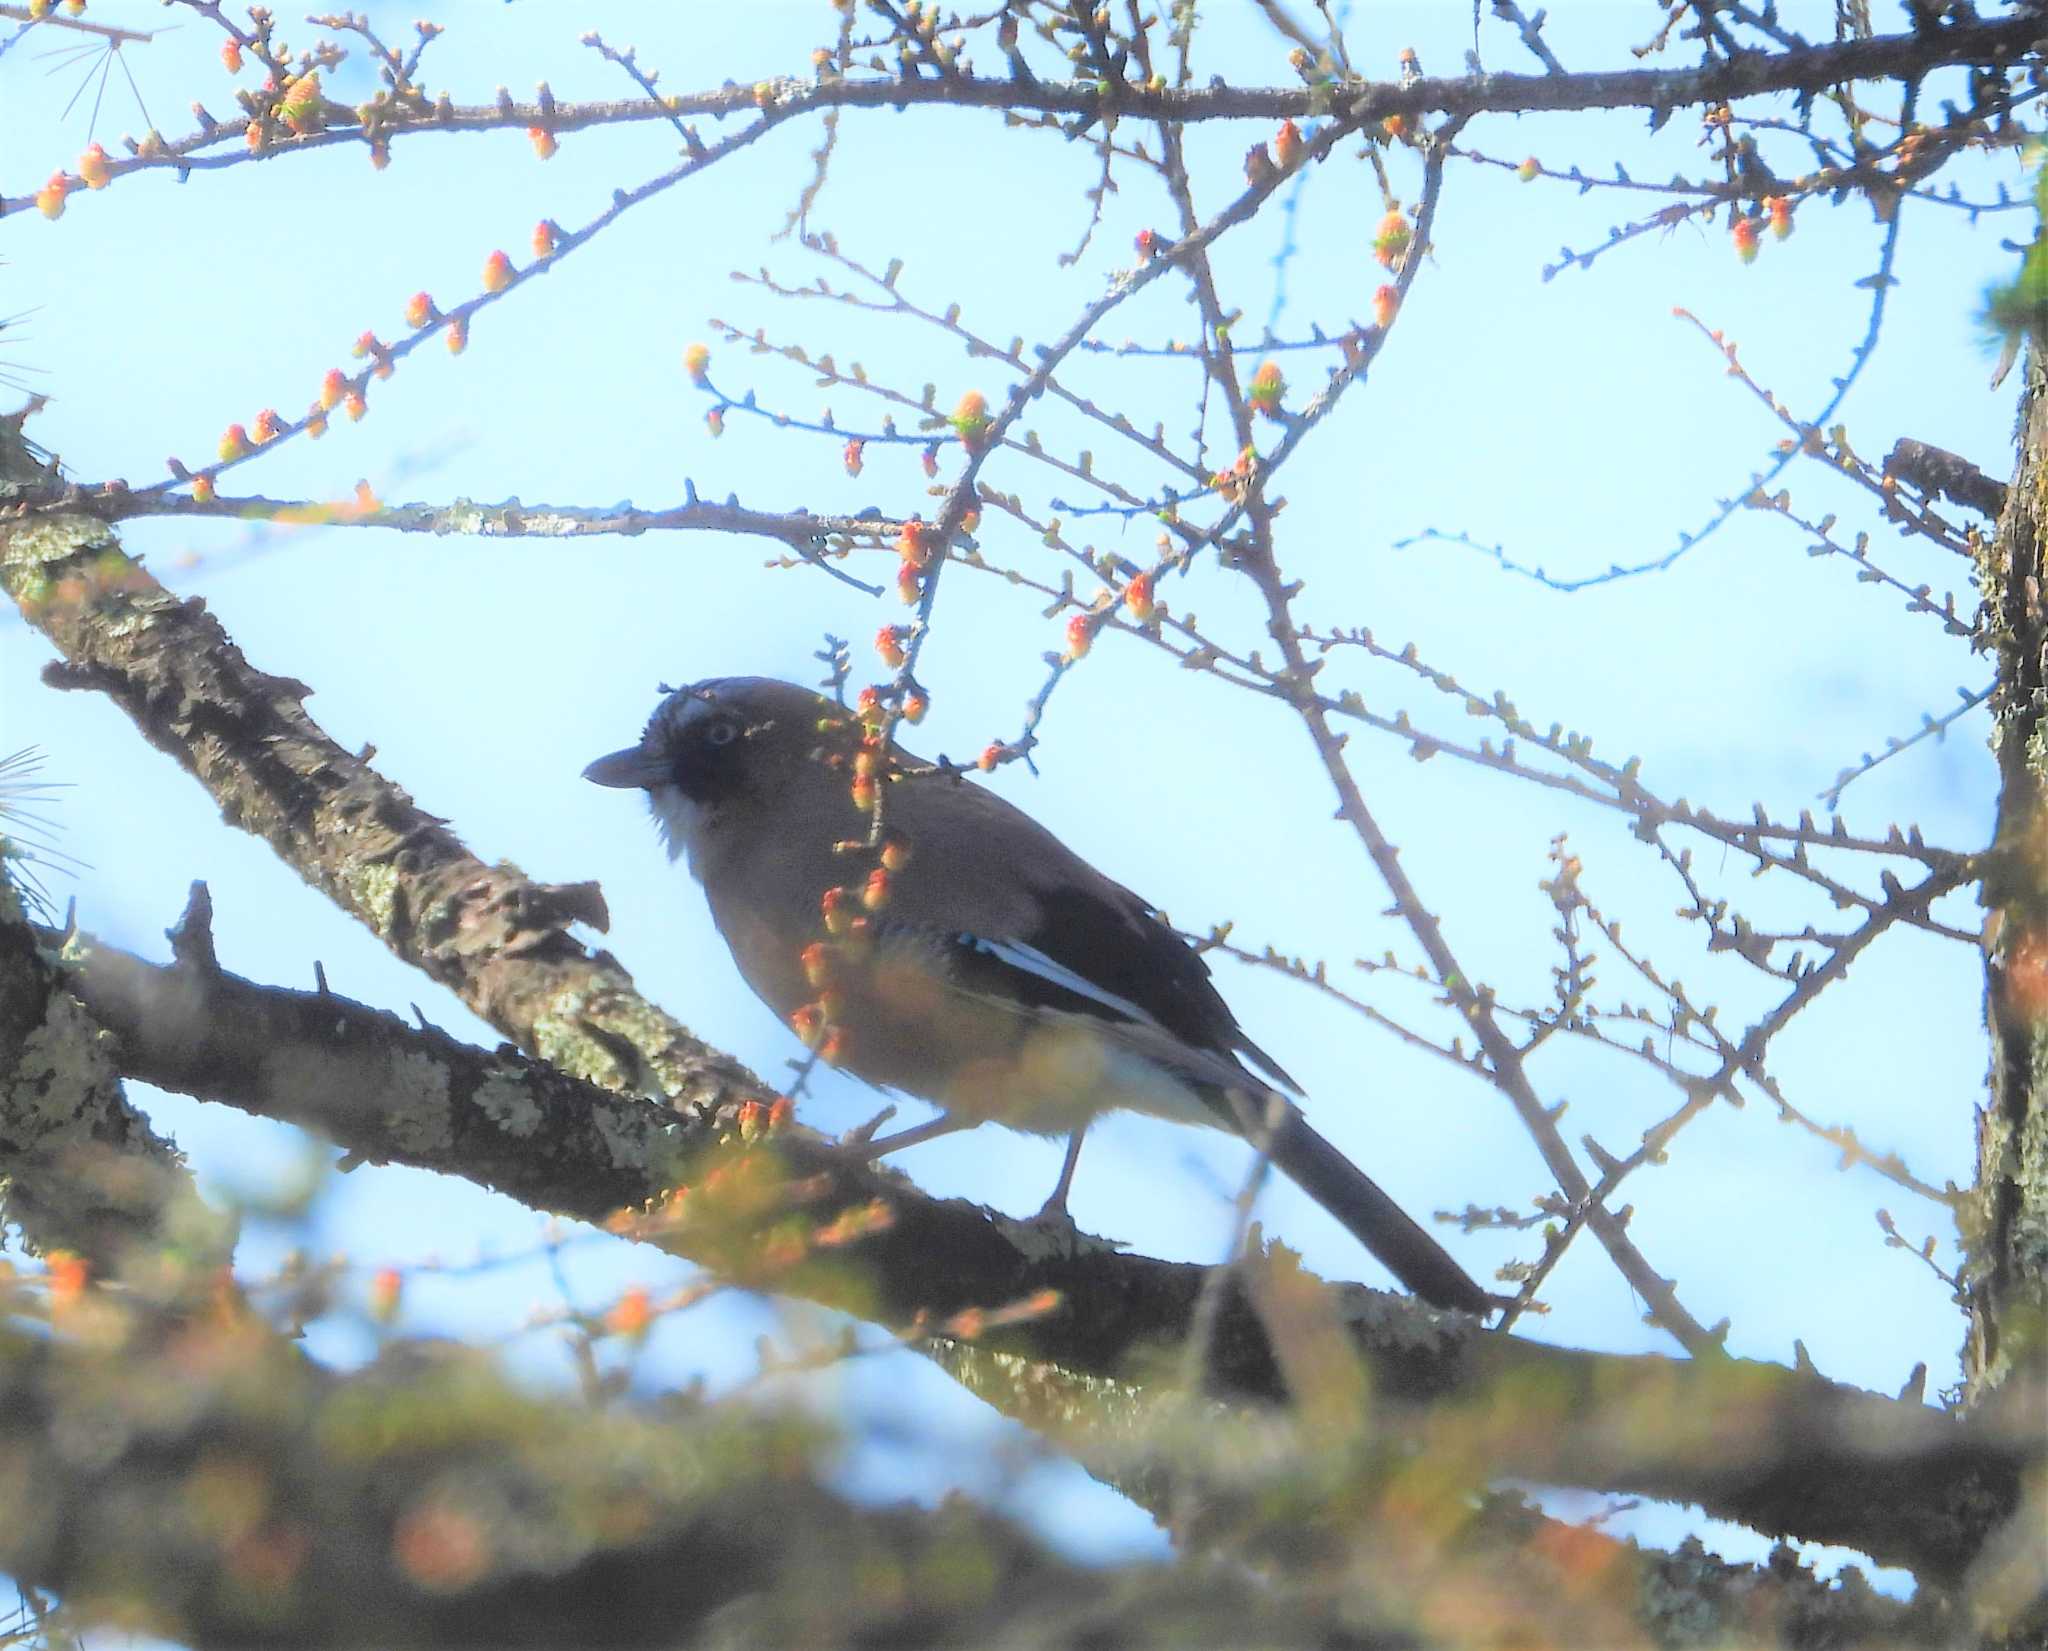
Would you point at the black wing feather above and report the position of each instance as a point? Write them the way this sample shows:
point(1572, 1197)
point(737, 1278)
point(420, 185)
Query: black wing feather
point(1108, 935)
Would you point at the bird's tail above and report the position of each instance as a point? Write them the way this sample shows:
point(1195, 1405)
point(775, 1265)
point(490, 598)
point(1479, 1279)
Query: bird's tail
point(1374, 1219)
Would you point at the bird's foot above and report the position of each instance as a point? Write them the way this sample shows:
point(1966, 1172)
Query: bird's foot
point(1053, 1232)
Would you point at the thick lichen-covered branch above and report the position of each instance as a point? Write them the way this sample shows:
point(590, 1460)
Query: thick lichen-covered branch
point(498, 939)
point(81, 1171)
point(785, 1210)
point(2005, 1221)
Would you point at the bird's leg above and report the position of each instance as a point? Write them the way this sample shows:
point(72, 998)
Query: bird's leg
point(944, 1124)
point(1054, 1210)
point(1053, 1225)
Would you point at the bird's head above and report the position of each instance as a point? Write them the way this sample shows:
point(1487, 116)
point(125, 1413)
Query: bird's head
point(722, 743)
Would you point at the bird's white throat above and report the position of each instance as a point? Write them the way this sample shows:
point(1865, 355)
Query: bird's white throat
point(683, 824)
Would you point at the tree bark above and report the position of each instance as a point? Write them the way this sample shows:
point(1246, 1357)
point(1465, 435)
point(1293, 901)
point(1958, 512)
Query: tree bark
point(2005, 1221)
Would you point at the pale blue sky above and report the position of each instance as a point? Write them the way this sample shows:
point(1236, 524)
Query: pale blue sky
point(1575, 421)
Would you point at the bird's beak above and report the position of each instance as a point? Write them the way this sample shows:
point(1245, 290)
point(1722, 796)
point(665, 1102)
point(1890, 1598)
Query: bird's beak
point(630, 769)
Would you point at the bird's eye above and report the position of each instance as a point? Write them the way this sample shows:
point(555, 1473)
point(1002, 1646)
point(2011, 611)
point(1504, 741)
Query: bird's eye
point(721, 732)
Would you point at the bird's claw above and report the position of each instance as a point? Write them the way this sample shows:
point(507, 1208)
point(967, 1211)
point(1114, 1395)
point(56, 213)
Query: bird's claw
point(1052, 1232)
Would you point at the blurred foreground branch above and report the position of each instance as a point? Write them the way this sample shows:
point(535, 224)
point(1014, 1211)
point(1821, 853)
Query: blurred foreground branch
point(426, 1502)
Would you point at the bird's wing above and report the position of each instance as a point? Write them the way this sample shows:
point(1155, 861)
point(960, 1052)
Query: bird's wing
point(1047, 925)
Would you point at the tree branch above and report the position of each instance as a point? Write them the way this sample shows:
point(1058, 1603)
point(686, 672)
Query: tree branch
point(426, 1502)
point(500, 941)
point(1779, 1450)
point(80, 1169)
point(1910, 56)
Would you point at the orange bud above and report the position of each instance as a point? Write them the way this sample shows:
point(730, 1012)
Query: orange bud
point(366, 500)
point(631, 1314)
point(92, 166)
point(366, 344)
point(234, 443)
point(1268, 386)
point(458, 335)
point(836, 908)
point(780, 1111)
point(1745, 238)
point(267, 427)
point(1395, 127)
point(753, 1118)
point(865, 793)
point(809, 1025)
point(316, 422)
point(914, 707)
point(497, 272)
point(889, 644)
point(1080, 636)
point(50, 198)
point(909, 585)
point(1529, 170)
point(914, 543)
point(817, 961)
point(895, 853)
point(332, 388)
point(202, 489)
point(1138, 598)
point(1390, 241)
point(543, 141)
point(990, 756)
point(300, 106)
point(1385, 301)
point(545, 234)
point(833, 1049)
point(231, 56)
point(854, 449)
point(419, 310)
point(354, 405)
point(697, 362)
point(868, 706)
point(1780, 209)
point(970, 419)
point(1287, 144)
point(875, 893)
point(714, 421)
point(69, 1274)
point(387, 1284)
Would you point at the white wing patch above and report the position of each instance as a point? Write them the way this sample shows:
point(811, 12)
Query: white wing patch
point(1030, 960)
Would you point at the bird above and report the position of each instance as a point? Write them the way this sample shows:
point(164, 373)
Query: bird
point(965, 954)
